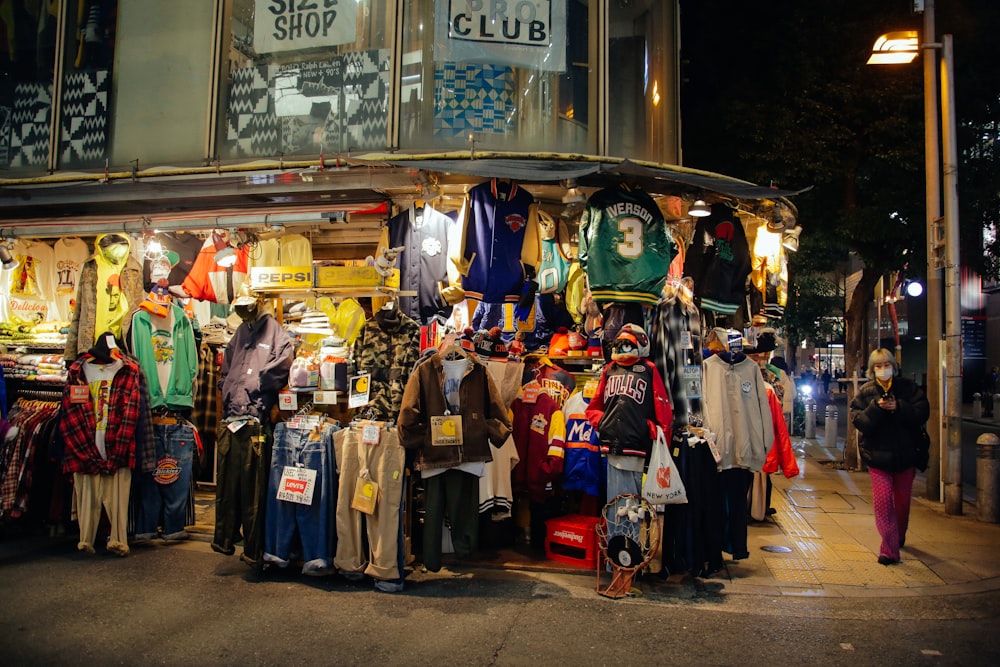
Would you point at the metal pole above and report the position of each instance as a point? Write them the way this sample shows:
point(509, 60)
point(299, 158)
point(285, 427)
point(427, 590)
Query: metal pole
point(953, 306)
point(933, 213)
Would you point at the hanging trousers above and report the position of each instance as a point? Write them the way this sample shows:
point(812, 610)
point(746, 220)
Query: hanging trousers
point(91, 493)
point(313, 523)
point(165, 491)
point(384, 463)
point(735, 487)
point(454, 494)
point(243, 463)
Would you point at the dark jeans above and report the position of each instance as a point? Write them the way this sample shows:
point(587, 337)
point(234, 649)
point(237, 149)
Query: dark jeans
point(164, 492)
point(244, 460)
point(735, 486)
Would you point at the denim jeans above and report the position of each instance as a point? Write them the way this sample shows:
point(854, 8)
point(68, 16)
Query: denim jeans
point(164, 493)
point(244, 460)
point(313, 522)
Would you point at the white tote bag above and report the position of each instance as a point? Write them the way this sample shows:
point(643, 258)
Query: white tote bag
point(662, 485)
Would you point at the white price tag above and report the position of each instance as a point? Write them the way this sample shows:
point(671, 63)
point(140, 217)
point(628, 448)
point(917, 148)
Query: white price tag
point(686, 340)
point(324, 397)
point(288, 400)
point(370, 434)
point(297, 485)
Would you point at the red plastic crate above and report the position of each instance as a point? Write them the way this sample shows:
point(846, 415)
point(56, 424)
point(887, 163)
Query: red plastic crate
point(572, 539)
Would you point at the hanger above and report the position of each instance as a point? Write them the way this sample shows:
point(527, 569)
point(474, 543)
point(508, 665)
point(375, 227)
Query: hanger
point(454, 352)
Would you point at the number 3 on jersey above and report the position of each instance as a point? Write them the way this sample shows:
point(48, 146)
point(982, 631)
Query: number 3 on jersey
point(630, 246)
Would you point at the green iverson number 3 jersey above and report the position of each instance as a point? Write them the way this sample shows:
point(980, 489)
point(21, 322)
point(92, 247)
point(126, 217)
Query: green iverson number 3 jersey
point(625, 247)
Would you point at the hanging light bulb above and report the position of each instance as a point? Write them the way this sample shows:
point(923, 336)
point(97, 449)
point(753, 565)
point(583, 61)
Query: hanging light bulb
point(699, 209)
point(791, 238)
point(225, 254)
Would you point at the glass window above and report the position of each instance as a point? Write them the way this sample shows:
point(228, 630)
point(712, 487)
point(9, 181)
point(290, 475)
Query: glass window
point(305, 77)
point(161, 91)
point(87, 72)
point(28, 35)
point(514, 75)
point(642, 82)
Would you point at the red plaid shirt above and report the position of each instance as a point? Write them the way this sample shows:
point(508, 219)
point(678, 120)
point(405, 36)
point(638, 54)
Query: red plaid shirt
point(78, 426)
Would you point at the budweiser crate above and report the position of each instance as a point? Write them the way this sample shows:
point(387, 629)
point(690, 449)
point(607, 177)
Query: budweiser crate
point(572, 539)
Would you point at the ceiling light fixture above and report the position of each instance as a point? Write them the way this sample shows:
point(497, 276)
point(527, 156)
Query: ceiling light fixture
point(791, 238)
point(6, 259)
point(699, 209)
point(225, 254)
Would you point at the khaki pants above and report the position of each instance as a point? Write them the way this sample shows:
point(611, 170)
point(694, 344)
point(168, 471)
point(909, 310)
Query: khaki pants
point(384, 462)
point(90, 494)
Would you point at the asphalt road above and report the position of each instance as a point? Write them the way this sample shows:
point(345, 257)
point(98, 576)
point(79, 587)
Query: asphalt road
point(185, 605)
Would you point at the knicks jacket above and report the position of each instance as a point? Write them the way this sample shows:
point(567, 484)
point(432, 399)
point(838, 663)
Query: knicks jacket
point(625, 247)
point(500, 235)
point(626, 400)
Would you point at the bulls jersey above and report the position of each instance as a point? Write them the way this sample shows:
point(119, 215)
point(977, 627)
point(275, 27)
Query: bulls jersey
point(625, 247)
point(500, 234)
point(628, 397)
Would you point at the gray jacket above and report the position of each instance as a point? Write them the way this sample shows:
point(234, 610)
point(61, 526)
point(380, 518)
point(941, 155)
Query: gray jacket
point(255, 367)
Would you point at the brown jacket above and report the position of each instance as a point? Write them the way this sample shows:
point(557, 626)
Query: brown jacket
point(484, 418)
point(82, 327)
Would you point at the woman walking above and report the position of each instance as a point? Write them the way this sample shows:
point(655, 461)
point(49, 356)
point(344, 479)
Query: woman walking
point(889, 412)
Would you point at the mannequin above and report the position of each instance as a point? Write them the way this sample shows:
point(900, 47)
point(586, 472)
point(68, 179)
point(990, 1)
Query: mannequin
point(163, 341)
point(451, 471)
point(255, 367)
point(101, 407)
point(629, 403)
point(109, 291)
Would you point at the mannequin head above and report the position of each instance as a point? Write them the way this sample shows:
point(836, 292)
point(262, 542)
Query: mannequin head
point(630, 345)
point(247, 308)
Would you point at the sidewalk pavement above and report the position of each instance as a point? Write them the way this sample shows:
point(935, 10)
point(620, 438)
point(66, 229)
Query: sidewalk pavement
point(824, 519)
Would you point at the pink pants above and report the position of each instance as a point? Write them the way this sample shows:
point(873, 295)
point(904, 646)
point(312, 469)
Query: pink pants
point(891, 503)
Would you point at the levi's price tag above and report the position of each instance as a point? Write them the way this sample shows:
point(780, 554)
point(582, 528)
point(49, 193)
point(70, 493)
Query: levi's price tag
point(79, 393)
point(446, 430)
point(297, 485)
point(358, 396)
point(370, 434)
point(288, 400)
point(365, 496)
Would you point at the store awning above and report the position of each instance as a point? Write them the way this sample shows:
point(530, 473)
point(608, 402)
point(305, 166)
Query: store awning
point(585, 169)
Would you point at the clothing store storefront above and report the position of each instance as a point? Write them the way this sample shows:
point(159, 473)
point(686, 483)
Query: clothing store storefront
point(340, 346)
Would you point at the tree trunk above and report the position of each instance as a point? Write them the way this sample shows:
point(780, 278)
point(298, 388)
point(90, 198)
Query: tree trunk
point(855, 356)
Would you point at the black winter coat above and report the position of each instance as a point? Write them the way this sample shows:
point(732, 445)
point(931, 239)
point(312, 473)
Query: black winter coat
point(891, 441)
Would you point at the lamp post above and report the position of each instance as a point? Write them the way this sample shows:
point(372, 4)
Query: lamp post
point(945, 462)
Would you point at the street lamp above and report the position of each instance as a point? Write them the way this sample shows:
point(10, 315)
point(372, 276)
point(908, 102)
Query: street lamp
point(901, 48)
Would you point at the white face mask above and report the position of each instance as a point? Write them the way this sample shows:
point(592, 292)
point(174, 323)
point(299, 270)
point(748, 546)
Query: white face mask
point(883, 374)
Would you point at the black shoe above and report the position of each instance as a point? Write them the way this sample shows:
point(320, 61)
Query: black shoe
point(902, 543)
point(885, 560)
point(771, 511)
